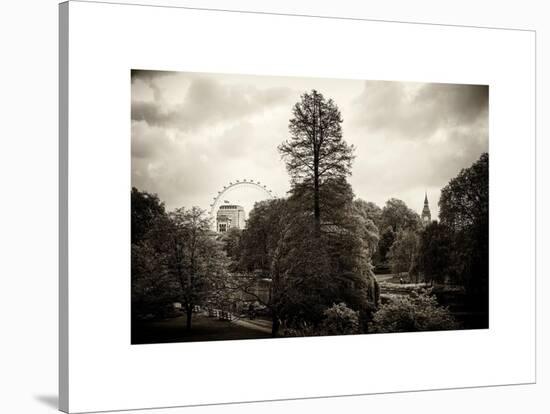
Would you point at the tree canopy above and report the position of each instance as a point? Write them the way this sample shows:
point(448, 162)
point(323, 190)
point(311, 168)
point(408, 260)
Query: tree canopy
point(398, 216)
point(146, 208)
point(464, 202)
point(403, 252)
point(435, 253)
point(464, 209)
point(176, 259)
point(316, 154)
point(197, 259)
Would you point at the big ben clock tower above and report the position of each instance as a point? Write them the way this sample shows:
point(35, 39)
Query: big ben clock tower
point(426, 215)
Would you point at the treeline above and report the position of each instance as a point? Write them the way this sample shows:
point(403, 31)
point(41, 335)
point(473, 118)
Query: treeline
point(453, 250)
point(175, 258)
point(457, 248)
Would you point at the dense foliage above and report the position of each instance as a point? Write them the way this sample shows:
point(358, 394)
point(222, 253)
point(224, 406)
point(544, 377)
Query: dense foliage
point(403, 253)
point(340, 320)
point(435, 253)
point(175, 258)
point(418, 312)
point(146, 209)
point(464, 210)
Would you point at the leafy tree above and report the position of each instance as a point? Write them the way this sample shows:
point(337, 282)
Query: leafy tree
point(262, 247)
point(419, 312)
point(372, 215)
point(316, 154)
point(464, 209)
point(403, 252)
point(308, 273)
point(351, 245)
point(151, 284)
point(178, 259)
point(146, 208)
point(341, 257)
point(361, 224)
point(369, 210)
point(195, 259)
point(301, 272)
point(386, 240)
point(464, 202)
point(315, 246)
point(435, 253)
point(262, 232)
point(343, 238)
point(231, 240)
point(398, 216)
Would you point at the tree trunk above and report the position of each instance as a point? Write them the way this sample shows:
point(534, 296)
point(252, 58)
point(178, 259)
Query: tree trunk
point(189, 313)
point(316, 147)
point(316, 207)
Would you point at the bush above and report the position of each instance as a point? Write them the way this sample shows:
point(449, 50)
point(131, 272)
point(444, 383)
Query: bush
point(340, 320)
point(418, 312)
point(299, 330)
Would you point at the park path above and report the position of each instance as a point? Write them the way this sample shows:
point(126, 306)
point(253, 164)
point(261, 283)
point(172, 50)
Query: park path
point(384, 277)
point(256, 324)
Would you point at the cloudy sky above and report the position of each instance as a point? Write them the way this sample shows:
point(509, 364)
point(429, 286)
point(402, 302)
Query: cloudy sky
point(193, 133)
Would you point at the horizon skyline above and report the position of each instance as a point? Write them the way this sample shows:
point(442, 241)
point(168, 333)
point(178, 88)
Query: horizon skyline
point(247, 210)
point(193, 133)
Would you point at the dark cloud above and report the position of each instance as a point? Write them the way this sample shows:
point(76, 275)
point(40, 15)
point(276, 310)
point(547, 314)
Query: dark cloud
point(409, 111)
point(454, 104)
point(461, 148)
point(150, 113)
point(207, 101)
point(414, 137)
point(148, 75)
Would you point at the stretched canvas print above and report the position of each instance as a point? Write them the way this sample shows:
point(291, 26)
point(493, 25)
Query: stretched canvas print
point(267, 207)
point(243, 218)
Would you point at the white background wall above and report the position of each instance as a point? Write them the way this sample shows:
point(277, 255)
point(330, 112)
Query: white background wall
point(28, 205)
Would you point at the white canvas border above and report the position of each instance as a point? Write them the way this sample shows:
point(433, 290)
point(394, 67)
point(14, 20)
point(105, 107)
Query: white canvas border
point(105, 372)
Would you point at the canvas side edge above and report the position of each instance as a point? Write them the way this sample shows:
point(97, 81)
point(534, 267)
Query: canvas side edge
point(63, 207)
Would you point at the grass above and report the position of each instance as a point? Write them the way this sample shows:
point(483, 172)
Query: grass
point(203, 328)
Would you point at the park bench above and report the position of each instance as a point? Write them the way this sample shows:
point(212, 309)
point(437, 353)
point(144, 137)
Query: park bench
point(220, 314)
point(226, 316)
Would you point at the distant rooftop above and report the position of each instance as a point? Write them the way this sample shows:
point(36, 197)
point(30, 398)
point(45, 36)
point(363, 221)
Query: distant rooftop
point(231, 207)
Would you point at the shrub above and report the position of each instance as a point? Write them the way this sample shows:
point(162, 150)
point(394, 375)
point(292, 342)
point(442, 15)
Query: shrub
point(303, 329)
point(340, 320)
point(418, 312)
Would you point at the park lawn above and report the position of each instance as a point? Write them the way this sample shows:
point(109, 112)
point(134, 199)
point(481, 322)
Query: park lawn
point(203, 328)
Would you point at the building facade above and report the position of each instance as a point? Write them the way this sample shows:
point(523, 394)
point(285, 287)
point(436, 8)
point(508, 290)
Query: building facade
point(229, 216)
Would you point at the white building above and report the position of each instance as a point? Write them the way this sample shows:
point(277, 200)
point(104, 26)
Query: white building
point(229, 216)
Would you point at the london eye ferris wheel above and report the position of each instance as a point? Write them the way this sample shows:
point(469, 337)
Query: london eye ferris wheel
point(244, 192)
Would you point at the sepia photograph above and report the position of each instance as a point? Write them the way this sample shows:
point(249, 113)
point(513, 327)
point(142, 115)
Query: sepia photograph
point(276, 207)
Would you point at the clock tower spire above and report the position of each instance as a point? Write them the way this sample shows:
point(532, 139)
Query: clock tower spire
point(426, 215)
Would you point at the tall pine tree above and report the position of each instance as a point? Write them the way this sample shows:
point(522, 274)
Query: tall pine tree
point(317, 157)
